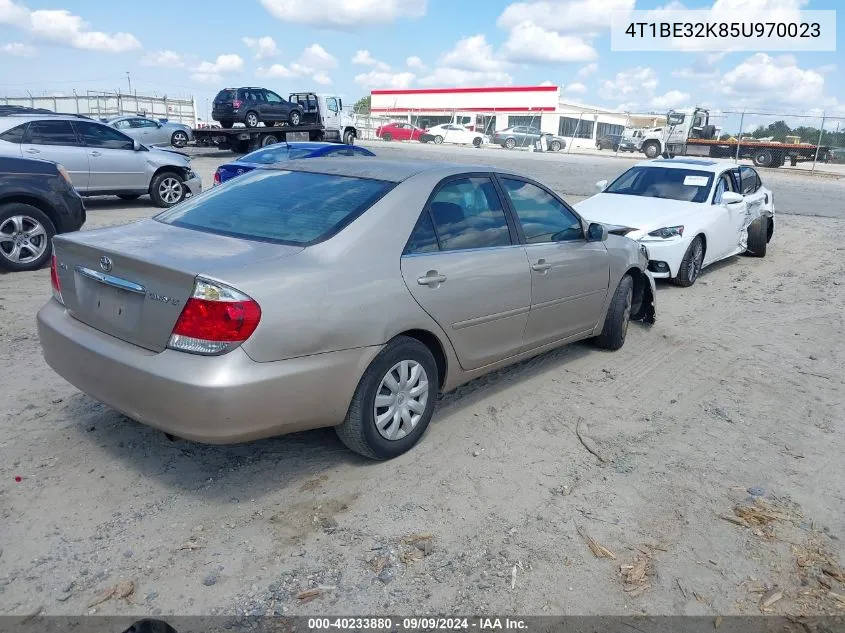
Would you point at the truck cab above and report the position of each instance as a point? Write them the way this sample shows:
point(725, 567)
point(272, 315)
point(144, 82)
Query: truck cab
point(692, 123)
point(326, 110)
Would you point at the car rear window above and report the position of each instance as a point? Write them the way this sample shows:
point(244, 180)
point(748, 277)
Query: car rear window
point(285, 207)
point(225, 95)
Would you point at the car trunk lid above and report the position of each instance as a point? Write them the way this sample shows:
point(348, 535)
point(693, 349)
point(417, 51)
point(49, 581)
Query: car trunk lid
point(132, 281)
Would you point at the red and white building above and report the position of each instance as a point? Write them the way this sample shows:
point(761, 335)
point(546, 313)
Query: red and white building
point(497, 108)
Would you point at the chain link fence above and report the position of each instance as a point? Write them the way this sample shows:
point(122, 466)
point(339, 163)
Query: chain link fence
point(804, 141)
point(104, 105)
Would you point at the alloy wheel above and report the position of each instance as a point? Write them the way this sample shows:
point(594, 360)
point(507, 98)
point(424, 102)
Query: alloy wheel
point(170, 190)
point(22, 239)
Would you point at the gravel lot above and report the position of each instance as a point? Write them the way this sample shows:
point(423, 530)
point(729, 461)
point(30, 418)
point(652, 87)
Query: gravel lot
point(735, 396)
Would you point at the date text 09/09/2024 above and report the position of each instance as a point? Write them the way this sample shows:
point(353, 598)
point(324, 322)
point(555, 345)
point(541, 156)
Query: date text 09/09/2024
point(418, 624)
point(724, 29)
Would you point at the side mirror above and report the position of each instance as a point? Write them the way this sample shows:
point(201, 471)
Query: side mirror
point(596, 232)
point(731, 197)
point(601, 185)
point(136, 145)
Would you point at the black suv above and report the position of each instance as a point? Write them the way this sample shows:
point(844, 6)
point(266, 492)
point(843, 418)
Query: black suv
point(37, 201)
point(252, 106)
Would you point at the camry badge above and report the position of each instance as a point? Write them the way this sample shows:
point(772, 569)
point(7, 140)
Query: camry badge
point(105, 263)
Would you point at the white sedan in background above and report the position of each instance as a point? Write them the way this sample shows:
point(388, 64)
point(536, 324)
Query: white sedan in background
point(453, 133)
point(689, 213)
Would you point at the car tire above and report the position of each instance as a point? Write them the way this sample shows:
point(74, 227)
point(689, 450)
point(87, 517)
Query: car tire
point(387, 137)
point(349, 137)
point(268, 140)
point(510, 143)
point(129, 196)
point(555, 146)
point(16, 218)
point(294, 118)
point(227, 125)
point(651, 149)
point(251, 119)
point(691, 264)
point(359, 430)
point(618, 317)
point(477, 142)
point(167, 189)
point(179, 139)
point(763, 158)
point(758, 237)
point(438, 140)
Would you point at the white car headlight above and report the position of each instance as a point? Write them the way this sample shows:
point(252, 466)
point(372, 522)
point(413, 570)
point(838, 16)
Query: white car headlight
point(668, 232)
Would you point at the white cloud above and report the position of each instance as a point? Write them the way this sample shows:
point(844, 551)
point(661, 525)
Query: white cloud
point(529, 42)
point(275, 71)
point(19, 49)
point(166, 58)
point(212, 72)
point(14, 14)
point(633, 82)
point(586, 71)
point(363, 58)
point(575, 88)
point(768, 79)
point(459, 77)
point(314, 62)
point(344, 14)
point(672, 99)
point(63, 27)
point(472, 53)
point(263, 47)
point(380, 79)
point(415, 62)
point(564, 16)
point(547, 83)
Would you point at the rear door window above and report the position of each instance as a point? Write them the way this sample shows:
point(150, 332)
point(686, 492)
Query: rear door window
point(285, 207)
point(51, 133)
point(467, 213)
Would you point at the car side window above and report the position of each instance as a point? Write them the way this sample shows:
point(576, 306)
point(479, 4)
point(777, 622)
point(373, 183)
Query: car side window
point(725, 183)
point(51, 133)
point(542, 216)
point(102, 136)
point(14, 135)
point(147, 123)
point(123, 124)
point(331, 104)
point(272, 97)
point(423, 238)
point(750, 180)
point(467, 213)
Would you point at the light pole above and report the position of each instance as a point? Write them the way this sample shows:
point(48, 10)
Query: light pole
point(129, 80)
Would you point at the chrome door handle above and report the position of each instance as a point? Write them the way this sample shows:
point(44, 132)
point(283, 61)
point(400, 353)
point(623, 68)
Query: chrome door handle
point(541, 266)
point(32, 150)
point(431, 278)
point(96, 153)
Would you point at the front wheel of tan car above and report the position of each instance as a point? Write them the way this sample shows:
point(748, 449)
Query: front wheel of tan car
point(394, 401)
point(615, 328)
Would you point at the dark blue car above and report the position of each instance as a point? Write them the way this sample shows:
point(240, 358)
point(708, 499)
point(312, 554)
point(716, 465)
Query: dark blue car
point(280, 152)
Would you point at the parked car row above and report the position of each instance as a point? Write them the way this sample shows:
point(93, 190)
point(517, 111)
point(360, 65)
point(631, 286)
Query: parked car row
point(510, 138)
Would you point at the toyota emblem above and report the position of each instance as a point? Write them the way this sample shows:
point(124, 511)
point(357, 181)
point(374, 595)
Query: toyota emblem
point(105, 263)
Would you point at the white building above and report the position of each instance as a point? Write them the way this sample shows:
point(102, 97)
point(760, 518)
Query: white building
point(497, 108)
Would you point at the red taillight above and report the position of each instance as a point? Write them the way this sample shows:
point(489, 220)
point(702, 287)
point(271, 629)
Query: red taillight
point(54, 280)
point(237, 103)
point(216, 178)
point(215, 319)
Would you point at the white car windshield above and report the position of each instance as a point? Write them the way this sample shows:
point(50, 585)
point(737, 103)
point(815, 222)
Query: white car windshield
point(685, 185)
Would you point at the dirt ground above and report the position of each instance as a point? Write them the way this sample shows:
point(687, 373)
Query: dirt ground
point(717, 487)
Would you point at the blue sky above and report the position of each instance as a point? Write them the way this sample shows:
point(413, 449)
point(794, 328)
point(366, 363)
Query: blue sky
point(348, 47)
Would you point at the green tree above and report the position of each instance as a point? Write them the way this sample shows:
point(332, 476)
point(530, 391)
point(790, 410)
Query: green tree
point(362, 106)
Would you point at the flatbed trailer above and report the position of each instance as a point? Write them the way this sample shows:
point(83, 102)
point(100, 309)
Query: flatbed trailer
point(762, 153)
point(247, 139)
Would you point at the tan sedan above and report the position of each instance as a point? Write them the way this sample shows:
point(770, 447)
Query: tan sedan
point(336, 292)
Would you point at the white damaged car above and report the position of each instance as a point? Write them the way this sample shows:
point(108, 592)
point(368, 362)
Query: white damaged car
point(688, 213)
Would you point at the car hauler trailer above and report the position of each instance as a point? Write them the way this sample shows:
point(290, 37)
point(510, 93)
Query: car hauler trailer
point(323, 119)
point(689, 133)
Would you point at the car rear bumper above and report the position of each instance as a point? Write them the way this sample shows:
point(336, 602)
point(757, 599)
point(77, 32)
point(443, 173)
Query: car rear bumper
point(72, 216)
point(213, 399)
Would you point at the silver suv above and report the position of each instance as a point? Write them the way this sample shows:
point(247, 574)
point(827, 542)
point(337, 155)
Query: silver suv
point(101, 161)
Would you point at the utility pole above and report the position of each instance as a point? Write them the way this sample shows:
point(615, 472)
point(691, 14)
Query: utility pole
point(129, 79)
